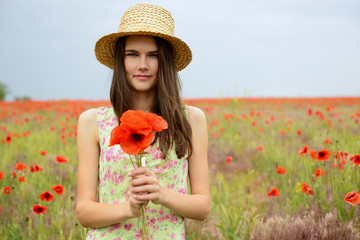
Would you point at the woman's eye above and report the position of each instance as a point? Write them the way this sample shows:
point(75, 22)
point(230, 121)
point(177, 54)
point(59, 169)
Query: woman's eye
point(131, 54)
point(154, 55)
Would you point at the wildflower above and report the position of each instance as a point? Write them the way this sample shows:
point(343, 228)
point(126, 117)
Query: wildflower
point(273, 193)
point(35, 168)
point(215, 122)
point(353, 198)
point(355, 159)
point(299, 132)
point(313, 154)
point(46, 196)
point(135, 133)
point(7, 190)
point(260, 148)
point(20, 166)
point(323, 155)
point(61, 159)
point(1, 175)
point(58, 189)
point(281, 170)
point(304, 150)
point(228, 159)
point(306, 189)
point(327, 141)
point(215, 134)
point(21, 179)
point(38, 209)
point(319, 172)
point(43, 152)
point(52, 128)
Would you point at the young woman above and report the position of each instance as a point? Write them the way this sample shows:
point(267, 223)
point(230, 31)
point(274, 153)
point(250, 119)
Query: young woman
point(145, 57)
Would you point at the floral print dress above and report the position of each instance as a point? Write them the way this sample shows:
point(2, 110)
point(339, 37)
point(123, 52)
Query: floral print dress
point(114, 165)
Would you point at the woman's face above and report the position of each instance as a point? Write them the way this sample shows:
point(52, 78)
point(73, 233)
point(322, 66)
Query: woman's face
point(141, 62)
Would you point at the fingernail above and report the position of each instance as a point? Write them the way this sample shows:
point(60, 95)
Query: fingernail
point(129, 174)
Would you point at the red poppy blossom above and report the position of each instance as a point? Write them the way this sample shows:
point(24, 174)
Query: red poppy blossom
point(21, 179)
point(46, 196)
point(215, 122)
point(273, 193)
point(327, 141)
point(353, 198)
point(228, 159)
point(20, 166)
point(38, 209)
point(1, 175)
point(135, 133)
point(260, 148)
point(13, 175)
point(313, 154)
point(281, 170)
point(304, 150)
point(319, 172)
point(355, 159)
point(61, 159)
point(58, 189)
point(43, 152)
point(8, 139)
point(299, 132)
point(7, 190)
point(35, 168)
point(323, 155)
point(306, 189)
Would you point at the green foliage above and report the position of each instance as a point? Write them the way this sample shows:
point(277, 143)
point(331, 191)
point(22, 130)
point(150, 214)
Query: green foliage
point(4, 90)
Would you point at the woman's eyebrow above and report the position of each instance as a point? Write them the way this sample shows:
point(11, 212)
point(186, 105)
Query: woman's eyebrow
point(132, 50)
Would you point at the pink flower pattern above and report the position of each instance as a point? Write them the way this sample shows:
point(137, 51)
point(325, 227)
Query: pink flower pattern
point(114, 165)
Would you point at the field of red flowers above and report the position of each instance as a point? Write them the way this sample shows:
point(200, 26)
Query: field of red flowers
point(286, 168)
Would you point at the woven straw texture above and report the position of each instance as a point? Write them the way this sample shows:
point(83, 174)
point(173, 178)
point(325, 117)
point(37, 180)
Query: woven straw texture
point(144, 19)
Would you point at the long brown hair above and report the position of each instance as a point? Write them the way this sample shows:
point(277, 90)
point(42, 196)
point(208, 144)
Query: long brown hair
point(167, 102)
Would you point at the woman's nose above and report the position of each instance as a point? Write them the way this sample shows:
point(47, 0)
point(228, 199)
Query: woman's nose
point(143, 63)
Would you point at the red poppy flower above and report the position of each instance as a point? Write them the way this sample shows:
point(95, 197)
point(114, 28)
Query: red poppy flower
point(52, 128)
point(13, 175)
point(215, 134)
point(273, 193)
point(281, 170)
point(306, 189)
point(135, 133)
point(46, 196)
point(7, 190)
point(8, 139)
point(58, 189)
point(313, 154)
point(319, 172)
point(327, 141)
point(304, 150)
point(20, 166)
point(355, 159)
point(323, 155)
point(353, 198)
point(215, 122)
point(38, 209)
point(260, 148)
point(35, 168)
point(299, 132)
point(61, 159)
point(21, 179)
point(43, 152)
point(1, 175)
point(228, 159)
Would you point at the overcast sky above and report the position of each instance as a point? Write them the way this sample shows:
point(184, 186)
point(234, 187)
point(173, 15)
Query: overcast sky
point(280, 48)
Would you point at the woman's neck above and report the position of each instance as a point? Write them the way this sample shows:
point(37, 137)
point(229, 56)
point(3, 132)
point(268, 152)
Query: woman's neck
point(144, 102)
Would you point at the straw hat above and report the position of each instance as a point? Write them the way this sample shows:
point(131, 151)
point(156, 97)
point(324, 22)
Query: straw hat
point(144, 19)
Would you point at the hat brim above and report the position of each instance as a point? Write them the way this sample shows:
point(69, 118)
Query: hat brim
point(105, 48)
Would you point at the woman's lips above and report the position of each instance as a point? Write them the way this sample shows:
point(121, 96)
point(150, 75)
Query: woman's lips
point(142, 77)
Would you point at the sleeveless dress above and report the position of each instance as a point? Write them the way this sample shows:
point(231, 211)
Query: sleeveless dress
point(114, 165)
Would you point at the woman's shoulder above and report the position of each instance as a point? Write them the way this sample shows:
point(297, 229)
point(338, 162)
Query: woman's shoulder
point(88, 117)
point(196, 116)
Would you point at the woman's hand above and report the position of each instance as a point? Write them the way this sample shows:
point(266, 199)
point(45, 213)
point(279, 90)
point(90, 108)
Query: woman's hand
point(145, 186)
point(134, 203)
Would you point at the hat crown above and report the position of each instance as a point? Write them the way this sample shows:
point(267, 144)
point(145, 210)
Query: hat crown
point(147, 18)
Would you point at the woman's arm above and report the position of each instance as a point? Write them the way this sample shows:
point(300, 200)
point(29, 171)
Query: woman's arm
point(89, 212)
point(194, 206)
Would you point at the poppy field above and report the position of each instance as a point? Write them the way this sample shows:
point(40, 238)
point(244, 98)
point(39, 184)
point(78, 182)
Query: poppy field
point(279, 169)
